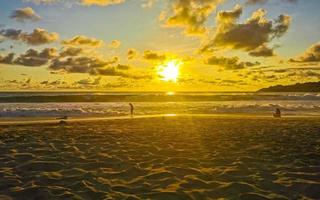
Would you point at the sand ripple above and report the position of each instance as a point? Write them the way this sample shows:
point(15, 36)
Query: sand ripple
point(176, 158)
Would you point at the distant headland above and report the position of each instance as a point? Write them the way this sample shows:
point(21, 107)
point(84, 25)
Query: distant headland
point(299, 87)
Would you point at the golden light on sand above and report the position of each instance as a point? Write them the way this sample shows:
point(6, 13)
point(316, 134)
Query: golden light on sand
point(170, 71)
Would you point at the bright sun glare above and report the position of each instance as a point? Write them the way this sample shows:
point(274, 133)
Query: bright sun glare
point(170, 70)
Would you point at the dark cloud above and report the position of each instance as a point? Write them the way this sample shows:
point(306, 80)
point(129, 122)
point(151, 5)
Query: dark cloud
point(37, 37)
point(252, 35)
point(112, 71)
point(150, 55)
point(88, 82)
point(25, 14)
point(34, 58)
point(229, 63)
point(71, 51)
point(53, 83)
point(8, 59)
point(109, 71)
point(132, 53)
point(81, 64)
point(30, 58)
point(311, 55)
point(12, 34)
point(123, 67)
point(93, 66)
point(262, 51)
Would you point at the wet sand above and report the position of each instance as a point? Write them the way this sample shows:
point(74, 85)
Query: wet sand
point(176, 157)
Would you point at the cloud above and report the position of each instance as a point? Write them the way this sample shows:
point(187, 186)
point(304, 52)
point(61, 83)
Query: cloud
point(71, 60)
point(150, 55)
point(148, 3)
point(53, 83)
point(37, 37)
point(71, 51)
point(252, 35)
point(42, 1)
point(24, 14)
point(123, 67)
point(79, 2)
point(115, 44)
point(83, 41)
point(253, 2)
point(35, 58)
point(229, 63)
point(31, 57)
point(101, 2)
point(109, 71)
point(88, 82)
point(132, 53)
point(262, 51)
point(304, 74)
point(231, 83)
point(310, 55)
point(7, 59)
point(91, 65)
point(191, 15)
point(112, 71)
point(116, 85)
point(82, 64)
point(229, 17)
point(12, 34)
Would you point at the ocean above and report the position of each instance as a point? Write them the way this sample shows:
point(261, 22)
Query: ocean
point(96, 104)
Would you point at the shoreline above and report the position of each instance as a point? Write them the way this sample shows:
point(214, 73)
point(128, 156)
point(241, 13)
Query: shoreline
point(54, 121)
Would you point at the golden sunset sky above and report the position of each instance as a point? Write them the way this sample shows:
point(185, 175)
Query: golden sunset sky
point(158, 45)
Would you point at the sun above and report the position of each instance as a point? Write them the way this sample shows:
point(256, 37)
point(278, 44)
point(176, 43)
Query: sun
point(170, 71)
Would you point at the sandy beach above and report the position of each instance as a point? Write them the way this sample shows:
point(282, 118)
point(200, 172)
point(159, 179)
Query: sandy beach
point(176, 157)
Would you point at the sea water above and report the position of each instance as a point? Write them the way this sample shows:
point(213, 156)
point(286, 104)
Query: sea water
point(84, 104)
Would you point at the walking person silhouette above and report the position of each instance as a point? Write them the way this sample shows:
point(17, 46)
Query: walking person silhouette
point(277, 114)
point(131, 109)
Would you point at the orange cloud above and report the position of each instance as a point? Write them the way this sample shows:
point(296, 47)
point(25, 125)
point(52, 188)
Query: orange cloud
point(115, 44)
point(190, 15)
point(83, 41)
point(25, 14)
point(101, 2)
point(310, 55)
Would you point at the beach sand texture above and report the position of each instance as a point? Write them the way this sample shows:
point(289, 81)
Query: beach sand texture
point(162, 158)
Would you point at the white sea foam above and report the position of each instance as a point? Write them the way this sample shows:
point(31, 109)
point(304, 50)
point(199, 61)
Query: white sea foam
point(142, 108)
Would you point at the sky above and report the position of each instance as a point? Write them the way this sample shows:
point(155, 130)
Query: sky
point(157, 45)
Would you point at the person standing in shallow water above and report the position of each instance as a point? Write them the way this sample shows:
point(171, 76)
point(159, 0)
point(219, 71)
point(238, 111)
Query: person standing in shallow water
point(131, 109)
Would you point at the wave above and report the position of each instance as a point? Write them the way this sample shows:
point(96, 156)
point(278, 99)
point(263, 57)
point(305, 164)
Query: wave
point(45, 97)
point(150, 108)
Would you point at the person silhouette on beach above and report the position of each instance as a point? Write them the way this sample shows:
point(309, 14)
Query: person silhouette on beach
point(277, 114)
point(131, 109)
